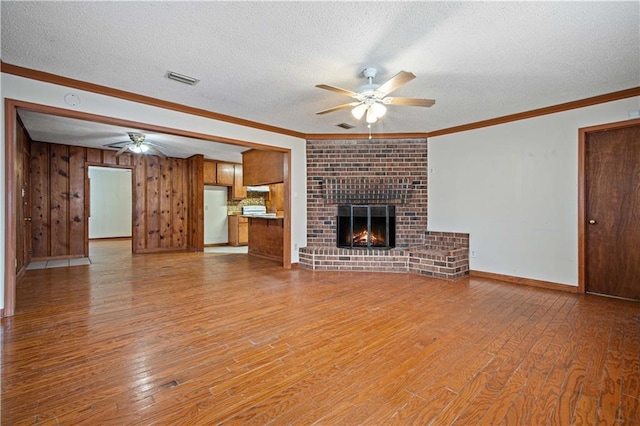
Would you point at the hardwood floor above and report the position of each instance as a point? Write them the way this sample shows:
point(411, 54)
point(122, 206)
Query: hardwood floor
point(197, 338)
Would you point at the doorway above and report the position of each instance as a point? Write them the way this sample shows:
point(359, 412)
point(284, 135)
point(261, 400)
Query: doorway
point(110, 211)
point(610, 210)
point(215, 216)
point(12, 107)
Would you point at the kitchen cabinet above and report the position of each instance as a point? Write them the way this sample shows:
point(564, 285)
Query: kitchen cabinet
point(262, 167)
point(209, 167)
point(238, 230)
point(224, 174)
point(238, 190)
point(218, 173)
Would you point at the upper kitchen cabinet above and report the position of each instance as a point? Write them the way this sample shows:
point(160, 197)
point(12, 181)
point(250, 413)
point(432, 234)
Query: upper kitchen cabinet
point(224, 174)
point(238, 190)
point(218, 173)
point(209, 172)
point(262, 167)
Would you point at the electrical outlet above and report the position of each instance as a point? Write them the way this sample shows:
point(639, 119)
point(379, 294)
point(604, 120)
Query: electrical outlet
point(432, 171)
point(473, 253)
point(295, 246)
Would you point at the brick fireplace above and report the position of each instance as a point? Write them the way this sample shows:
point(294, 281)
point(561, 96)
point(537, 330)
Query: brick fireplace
point(366, 166)
point(378, 172)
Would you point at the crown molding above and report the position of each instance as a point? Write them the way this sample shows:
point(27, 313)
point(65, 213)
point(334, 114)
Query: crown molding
point(581, 103)
point(134, 97)
point(354, 136)
point(129, 96)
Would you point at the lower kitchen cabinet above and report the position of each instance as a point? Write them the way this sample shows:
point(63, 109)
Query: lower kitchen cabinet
point(238, 230)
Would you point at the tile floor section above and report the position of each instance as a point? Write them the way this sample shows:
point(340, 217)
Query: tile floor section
point(58, 263)
point(227, 249)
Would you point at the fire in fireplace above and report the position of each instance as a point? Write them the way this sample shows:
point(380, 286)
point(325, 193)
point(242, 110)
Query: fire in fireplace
point(366, 226)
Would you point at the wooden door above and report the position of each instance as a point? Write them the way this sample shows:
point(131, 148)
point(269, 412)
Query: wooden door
point(612, 190)
point(26, 202)
point(23, 202)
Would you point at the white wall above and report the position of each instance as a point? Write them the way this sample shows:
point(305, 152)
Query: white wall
point(514, 189)
point(24, 89)
point(110, 201)
point(216, 229)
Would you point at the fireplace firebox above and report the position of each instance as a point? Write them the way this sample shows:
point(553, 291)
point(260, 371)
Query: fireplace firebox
point(366, 226)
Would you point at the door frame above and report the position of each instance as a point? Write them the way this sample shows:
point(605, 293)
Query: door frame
point(87, 200)
point(11, 107)
point(583, 134)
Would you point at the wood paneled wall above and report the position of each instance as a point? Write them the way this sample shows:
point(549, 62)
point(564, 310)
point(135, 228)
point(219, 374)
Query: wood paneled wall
point(195, 172)
point(60, 199)
point(160, 211)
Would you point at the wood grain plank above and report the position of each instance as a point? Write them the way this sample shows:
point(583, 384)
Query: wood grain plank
point(40, 212)
point(177, 208)
point(94, 155)
point(152, 201)
point(59, 196)
point(109, 157)
point(165, 202)
point(77, 237)
point(140, 205)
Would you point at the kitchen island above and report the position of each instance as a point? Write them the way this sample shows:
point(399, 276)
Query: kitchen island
point(265, 236)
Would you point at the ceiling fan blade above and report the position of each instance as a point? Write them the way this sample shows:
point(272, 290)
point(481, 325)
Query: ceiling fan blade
point(156, 151)
point(403, 77)
point(122, 150)
point(337, 90)
point(409, 102)
point(339, 107)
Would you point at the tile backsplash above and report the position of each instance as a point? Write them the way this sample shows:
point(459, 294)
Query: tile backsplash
point(253, 199)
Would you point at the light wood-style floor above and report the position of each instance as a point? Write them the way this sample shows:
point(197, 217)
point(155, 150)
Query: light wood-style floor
point(207, 339)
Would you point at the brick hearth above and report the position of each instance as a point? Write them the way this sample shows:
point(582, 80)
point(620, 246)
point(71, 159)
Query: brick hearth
point(444, 255)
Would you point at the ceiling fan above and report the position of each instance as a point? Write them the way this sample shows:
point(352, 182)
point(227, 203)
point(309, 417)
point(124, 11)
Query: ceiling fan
point(372, 98)
point(137, 145)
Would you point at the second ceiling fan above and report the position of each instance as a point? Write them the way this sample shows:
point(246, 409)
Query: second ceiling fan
point(137, 144)
point(372, 98)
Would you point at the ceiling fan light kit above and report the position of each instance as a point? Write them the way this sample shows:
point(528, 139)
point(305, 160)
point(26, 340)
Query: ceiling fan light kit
point(359, 111)
point(138, 145)
point(372, 98)
point(139, 149)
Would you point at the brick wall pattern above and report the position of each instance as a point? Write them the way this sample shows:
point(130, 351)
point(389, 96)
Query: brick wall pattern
point(375, 159)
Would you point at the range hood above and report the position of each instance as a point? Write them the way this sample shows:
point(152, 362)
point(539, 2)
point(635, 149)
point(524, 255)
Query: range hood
point(263, 188)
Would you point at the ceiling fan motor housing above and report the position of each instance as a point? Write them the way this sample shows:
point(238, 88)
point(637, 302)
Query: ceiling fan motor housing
point(368, 90)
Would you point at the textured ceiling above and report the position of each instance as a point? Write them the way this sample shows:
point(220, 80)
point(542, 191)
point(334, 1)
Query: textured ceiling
point(261, 60)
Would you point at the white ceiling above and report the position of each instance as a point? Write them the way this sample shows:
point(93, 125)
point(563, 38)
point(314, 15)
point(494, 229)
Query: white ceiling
point(69, 131)
point(261, 60)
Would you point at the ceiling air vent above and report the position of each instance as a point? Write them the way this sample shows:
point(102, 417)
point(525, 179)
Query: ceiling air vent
point(345, 126)
point(181, 78)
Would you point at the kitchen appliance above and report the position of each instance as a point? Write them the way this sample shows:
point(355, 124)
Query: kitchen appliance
point(253, 210)
point(256, 211)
